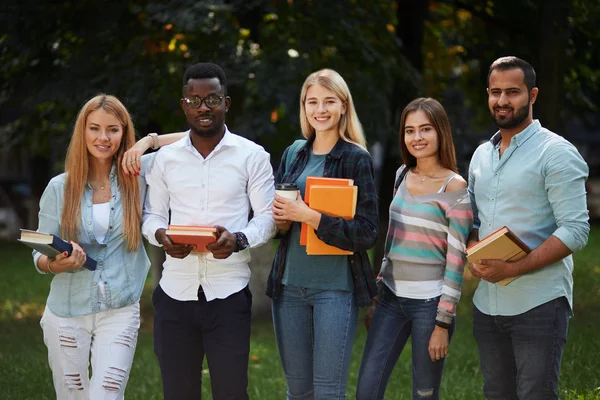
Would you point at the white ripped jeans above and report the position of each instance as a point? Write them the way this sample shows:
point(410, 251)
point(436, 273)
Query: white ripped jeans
point(111, 336)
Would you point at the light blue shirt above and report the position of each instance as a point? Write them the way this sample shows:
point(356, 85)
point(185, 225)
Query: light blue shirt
point(122, 272)
point(536, 189)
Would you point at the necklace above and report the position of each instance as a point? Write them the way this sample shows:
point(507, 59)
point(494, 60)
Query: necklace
point(422, 178)
point(102, 189)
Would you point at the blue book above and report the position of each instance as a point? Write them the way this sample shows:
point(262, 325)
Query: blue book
point(51, 245)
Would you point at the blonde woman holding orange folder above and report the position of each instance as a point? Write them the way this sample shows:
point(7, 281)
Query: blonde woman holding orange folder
point(421, 275)
point(316, 298)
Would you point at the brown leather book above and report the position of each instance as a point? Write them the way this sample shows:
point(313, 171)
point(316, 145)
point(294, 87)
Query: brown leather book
point(502, 244)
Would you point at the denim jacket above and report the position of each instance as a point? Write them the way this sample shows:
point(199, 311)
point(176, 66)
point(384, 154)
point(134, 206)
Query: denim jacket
point(124, 273)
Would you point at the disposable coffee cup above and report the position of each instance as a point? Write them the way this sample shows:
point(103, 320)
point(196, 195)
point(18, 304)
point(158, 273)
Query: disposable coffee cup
point(287, 190)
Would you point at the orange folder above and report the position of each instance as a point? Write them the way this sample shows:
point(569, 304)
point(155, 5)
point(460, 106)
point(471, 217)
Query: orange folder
point(199, 236)
point(335, 201)
point(319, 180)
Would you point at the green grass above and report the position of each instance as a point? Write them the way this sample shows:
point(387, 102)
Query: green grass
point(24, 372)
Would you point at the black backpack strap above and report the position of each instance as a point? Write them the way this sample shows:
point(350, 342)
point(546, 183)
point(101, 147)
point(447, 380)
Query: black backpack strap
point(400, 178)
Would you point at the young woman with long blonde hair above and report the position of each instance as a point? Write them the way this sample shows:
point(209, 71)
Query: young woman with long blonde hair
point(97, 206)
point(316, 298)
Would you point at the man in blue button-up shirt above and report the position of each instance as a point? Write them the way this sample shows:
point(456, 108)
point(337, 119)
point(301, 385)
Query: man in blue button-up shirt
point(532, 181)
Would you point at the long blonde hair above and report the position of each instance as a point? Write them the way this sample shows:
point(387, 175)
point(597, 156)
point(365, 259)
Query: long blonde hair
point(349, 128)
point(77, 166)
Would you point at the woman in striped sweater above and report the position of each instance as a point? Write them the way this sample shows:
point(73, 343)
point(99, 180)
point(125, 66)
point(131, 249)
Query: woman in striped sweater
point(422, 271)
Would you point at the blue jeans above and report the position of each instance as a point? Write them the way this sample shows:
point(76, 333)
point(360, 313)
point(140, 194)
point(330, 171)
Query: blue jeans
point(396, 319)
point(520, 355)
point(315, 330)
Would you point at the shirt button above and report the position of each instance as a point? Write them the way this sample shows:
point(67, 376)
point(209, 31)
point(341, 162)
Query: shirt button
point(94, 284)
point(100, 263)
point(89, 222)
point(492, 199)
point(110, 227)
point(89, 205)
point(103, 245)
point(93, 241)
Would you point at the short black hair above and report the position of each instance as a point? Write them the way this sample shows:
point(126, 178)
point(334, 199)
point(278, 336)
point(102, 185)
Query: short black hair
point(510, 62)
point(205, 71)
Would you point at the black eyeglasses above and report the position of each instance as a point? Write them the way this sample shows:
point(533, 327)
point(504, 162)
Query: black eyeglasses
point(211, 101)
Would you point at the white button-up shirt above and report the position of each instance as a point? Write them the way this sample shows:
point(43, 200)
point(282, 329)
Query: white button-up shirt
point(221, 189)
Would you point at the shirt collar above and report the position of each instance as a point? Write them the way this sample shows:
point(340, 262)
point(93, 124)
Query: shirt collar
point(520, 137)
point(228, 139)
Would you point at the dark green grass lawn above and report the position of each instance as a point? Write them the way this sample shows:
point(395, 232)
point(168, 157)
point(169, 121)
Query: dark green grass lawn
point(24, 372)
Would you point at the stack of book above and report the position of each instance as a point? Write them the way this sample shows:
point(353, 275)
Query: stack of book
point(335, 197)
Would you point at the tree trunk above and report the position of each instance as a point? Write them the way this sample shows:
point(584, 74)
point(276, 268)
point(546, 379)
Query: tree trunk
point(411, 15)
point(551, 63)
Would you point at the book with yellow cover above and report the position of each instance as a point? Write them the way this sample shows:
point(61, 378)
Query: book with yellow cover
point(502, 244)
point(198, 236)
point(335, 201)
point(319, 180)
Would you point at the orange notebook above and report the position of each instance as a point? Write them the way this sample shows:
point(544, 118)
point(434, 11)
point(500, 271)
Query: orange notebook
point(199, 236)
point(336, 201)
point(319, 180)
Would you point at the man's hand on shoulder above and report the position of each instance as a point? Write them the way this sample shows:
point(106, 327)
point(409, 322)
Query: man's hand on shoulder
point(172, 249)
point(225, 245)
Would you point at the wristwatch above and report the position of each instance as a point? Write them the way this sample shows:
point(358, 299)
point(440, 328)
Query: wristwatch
point(241, 241)
point(443, 324)
point(154, 137)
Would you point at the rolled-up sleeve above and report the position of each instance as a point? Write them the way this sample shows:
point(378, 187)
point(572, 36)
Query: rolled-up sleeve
point(50, 214)
point(565, 175)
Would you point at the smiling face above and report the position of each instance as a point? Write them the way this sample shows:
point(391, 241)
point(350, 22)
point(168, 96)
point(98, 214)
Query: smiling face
point(205, 121)
point(509, 99)
point(103, 134)
point(323, 109)
point(420, 137)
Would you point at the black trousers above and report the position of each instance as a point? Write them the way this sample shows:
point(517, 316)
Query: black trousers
point(184, 331)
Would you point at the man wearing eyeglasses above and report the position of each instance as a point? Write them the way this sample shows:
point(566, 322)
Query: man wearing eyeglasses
point(203, 304)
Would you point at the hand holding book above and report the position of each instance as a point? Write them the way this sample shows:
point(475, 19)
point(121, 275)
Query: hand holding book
point(495, 257)
point(54, 247)
point(495, 271)
point(64, 262)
